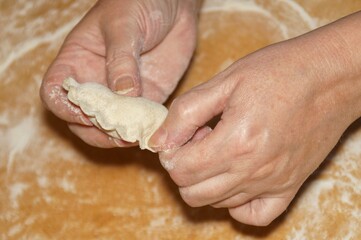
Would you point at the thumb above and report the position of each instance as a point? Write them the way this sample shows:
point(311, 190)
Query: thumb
point(189, 112)
point(261, 211)
point(123, 46)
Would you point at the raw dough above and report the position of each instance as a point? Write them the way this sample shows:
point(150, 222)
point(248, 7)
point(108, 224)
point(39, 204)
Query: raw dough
point(128, 118)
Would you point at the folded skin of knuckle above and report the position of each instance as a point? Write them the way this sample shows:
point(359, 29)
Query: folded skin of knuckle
point(258, 212)
point(248, 218)
point(202, 194)
point(260, 222)
point(119, 57)
point(179, 177)
point(182, 107)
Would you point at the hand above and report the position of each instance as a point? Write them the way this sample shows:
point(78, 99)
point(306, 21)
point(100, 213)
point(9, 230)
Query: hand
point(134, 47)
point(283, 110)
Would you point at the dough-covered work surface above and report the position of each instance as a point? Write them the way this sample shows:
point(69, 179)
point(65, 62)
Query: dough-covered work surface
point(53, 186)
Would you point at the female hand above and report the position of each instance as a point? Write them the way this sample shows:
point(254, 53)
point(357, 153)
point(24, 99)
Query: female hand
point(133, 47)
point(283, 110)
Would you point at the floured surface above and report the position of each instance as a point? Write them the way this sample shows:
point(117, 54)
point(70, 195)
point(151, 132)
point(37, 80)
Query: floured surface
point(54, 186)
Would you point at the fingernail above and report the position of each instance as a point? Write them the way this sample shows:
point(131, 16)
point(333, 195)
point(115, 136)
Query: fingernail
point(118, 142)
point(158, 140)
point(124, 85)
point(86, 121)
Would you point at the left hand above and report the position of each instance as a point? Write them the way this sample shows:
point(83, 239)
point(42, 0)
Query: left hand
point(137, 47)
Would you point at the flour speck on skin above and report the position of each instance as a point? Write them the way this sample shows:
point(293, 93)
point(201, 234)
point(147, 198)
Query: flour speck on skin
point(167, 165)
point(156, 15)
point(58, 95)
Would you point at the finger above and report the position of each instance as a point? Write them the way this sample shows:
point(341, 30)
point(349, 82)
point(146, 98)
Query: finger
point(190, 111)
point(160, 73)
point(123, 45)
point(55, 97)
point(201, 134)
point(97, 138)
point(234, 201)
point(201, 158)
point(164, 157)
point(77, 61)
point(261, 211)
point(210, 191)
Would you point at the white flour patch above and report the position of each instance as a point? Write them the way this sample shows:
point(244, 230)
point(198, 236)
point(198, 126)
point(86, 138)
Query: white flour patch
point(15, 230)
point(159, 221)
point(4, 119)
point(243, 6)
point(67, 186)
point(177, 221)
point(16, 190)
point(18, 138)
point(167, 165)
point(312, 23)
point(30, 220)
point(252, 6)
point(32, 43)
point(298, 233)
point(43, 181)
point(156, 197)
point(312, 198)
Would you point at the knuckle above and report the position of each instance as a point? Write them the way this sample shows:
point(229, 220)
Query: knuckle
point(119, 56)
point(262, 219)
point(180, 178)
point(122, 63)
point(189, 197)
point(182, 107)
point(196, 196)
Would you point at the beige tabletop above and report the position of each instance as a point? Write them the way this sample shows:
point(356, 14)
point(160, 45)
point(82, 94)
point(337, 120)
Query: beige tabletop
point(53, 186)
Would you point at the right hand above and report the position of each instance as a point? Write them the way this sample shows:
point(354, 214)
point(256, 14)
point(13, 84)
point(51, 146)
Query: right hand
point(283, 109)
point(138, 48)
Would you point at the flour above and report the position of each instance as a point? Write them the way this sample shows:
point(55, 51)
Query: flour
point(18, 138)
point(25, 47)
point(253, 6)
point(4, 119)
point(59, 96)
point(129, 118)
point(67, 185)
point(16, 190)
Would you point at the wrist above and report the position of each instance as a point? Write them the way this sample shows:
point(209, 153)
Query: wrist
point(334, 63)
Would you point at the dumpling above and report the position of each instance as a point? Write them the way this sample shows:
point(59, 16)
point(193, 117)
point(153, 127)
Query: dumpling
point(128, 118)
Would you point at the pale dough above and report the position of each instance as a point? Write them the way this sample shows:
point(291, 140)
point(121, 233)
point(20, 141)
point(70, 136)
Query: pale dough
point(128, 118)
